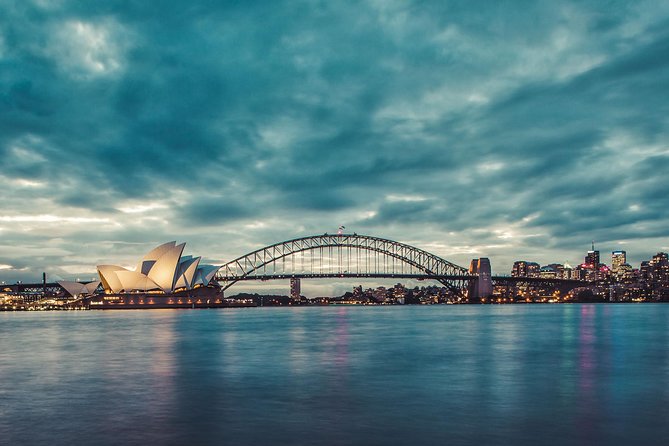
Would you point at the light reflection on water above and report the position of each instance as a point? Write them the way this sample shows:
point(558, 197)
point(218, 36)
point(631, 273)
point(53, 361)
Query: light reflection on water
point(522, 375)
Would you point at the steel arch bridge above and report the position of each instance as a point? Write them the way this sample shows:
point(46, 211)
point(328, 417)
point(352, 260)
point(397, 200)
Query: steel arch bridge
point(343, 255)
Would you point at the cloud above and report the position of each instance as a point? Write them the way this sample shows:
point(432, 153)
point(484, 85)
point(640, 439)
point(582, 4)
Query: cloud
point(86, 50)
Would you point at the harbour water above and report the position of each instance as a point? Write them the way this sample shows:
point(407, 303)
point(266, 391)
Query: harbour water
point(338, 375)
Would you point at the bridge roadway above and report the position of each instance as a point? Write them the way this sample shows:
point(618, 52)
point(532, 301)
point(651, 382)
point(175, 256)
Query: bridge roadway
point(266, 277)
point(497, 280)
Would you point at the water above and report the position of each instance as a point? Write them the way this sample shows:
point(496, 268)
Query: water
point(439, 375)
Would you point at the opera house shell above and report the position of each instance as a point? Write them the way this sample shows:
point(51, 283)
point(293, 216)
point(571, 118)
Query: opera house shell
point(78, 289)
point(164, 270)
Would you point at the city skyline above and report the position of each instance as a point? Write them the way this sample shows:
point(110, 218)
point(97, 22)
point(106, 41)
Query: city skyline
point(593, 268)
point(514, 132)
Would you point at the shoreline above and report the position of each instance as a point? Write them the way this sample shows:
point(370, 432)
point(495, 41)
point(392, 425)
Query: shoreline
point(20, 308)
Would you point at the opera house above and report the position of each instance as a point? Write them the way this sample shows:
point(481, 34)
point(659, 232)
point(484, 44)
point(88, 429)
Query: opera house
point(163, 277)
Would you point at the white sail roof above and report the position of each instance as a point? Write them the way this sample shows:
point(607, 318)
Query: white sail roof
point(163, 268)
point(163, 272)
point(109, 279)
point(187, 269)
point(152, 256)
point(205, 273)
point(134, 281)
point(77, 288)
point(90, 287)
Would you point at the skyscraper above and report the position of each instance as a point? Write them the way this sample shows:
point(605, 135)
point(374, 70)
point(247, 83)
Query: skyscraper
point(659, 265)
point(592, 258)
point(618, 259)
point(522, 268)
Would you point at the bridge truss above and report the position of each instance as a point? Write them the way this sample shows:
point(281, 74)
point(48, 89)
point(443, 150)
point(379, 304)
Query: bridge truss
point(343, 255)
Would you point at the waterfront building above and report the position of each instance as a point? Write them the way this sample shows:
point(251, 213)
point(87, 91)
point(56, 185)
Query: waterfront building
point(618, 293)
point(380, 294)
point(399, 291)
point(163, 270)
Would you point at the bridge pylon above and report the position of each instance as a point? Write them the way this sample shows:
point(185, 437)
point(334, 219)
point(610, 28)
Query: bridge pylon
point(481, 285)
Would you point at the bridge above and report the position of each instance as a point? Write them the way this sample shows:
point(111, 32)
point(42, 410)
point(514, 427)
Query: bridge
point(342, 255)
point(354, 256)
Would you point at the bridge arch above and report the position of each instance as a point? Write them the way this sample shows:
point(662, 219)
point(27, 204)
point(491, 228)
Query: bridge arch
point(249, 266)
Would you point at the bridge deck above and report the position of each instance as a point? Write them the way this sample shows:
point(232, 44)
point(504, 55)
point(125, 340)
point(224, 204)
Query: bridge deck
point(264, 277)
point(497, 279)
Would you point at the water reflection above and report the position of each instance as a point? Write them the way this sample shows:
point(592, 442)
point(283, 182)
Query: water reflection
point(563, 374)
point(299, 356)
point(586, 374)
point(341, 341)
point(162, 370)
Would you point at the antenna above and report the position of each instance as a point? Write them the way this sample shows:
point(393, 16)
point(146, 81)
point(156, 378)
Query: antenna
point(593, 245)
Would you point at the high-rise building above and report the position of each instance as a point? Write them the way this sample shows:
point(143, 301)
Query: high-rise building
point(619, 266)
point(618, 259)
point(660, 259)
point(519, 269)
point(522, 268)
point(592, 259)
point(591, 265)
point(659, 266)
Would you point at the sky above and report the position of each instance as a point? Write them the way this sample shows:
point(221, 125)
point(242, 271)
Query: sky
point(509, 129)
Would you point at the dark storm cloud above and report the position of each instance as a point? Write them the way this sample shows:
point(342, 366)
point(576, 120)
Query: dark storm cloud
point(543, 120)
